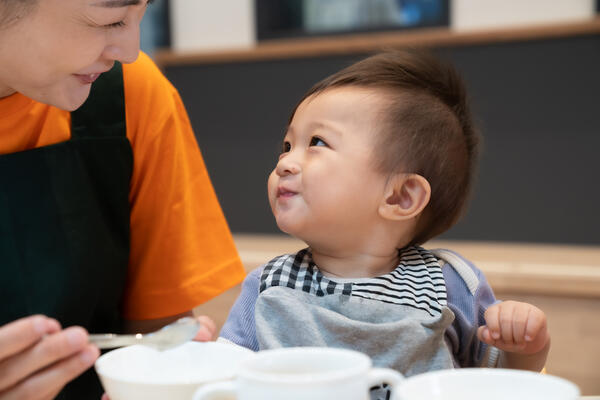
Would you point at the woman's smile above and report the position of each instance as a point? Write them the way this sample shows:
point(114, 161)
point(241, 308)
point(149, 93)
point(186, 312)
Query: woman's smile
point(87, 78)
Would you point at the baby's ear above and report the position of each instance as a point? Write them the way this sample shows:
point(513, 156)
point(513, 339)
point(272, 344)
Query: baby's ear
point(406, 196)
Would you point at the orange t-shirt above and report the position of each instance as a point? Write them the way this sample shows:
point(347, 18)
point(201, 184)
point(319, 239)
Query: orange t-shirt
point(182, 252)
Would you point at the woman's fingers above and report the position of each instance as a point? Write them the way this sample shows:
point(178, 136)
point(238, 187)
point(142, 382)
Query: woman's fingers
point(37, 358)
point(207, 330)
point(23, 333)
point(47, 351)
point(46, 383)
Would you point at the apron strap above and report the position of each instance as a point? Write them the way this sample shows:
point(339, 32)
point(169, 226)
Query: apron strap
point(103, 113)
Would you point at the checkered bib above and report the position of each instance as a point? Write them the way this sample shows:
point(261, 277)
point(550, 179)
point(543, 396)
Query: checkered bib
point(398, 319)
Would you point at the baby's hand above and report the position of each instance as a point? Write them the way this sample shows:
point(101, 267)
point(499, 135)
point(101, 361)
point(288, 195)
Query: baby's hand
point(515, 327)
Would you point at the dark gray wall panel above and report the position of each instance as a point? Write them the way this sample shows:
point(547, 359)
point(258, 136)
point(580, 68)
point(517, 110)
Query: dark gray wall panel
point(537, 104)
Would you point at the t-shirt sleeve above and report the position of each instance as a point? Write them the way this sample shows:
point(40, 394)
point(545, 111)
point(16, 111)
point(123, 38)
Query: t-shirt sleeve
point(469, 309)
point(182, 252)
point(240, 327)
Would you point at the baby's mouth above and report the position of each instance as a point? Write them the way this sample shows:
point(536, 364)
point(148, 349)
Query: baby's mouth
point(285, 193)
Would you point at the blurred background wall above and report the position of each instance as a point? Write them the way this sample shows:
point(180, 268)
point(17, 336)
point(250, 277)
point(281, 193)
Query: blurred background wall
point(536, 99)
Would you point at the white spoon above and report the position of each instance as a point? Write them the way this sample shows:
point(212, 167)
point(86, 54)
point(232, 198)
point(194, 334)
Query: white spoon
point(169, 336)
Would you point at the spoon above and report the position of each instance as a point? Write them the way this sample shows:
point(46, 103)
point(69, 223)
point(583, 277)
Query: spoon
point(169, 336)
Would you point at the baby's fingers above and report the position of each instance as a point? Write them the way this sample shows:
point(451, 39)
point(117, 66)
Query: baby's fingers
point(536, 321)
point(492, 321)
point(506, 317)
point(484, 335)
point(519, 324)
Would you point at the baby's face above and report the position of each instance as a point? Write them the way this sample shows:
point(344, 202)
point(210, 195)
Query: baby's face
point(325, 187)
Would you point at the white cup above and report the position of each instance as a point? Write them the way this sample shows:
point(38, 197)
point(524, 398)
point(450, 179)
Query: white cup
point(315, 373)
point(142, 373)
point(488, 384)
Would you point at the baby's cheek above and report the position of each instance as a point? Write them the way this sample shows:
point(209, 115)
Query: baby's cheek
point(272, 187)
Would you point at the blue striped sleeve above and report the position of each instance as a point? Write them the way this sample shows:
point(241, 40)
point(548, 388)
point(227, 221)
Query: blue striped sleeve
point(240, 326)
point(469, 311)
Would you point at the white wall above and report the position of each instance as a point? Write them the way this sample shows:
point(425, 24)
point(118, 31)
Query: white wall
point(198, 25)
point(482, 14)
point(211, 24)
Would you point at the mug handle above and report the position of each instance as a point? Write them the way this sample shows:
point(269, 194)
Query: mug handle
point(219, 390)
point(377, 376)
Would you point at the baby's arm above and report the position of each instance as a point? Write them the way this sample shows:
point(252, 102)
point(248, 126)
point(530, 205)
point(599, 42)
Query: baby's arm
point(240, 326)
point(520, 331)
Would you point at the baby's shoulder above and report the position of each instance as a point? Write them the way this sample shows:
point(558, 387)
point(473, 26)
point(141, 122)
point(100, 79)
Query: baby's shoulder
point(459, 270)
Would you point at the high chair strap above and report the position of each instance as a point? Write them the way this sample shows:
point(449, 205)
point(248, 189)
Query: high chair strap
point(461, 267)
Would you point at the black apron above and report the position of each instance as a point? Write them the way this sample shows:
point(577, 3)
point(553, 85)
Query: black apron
point(64, 224)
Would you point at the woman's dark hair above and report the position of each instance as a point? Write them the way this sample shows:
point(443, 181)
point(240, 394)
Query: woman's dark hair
point(13, 10)
point(426, 128)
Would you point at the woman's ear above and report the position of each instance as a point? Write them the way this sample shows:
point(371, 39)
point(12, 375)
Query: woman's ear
point(406, 196)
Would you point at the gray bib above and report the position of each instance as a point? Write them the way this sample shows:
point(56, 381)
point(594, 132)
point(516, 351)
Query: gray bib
point(398, 319)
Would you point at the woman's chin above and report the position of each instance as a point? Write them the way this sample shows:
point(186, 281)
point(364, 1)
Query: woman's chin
point(74, 98)
point(69, 96)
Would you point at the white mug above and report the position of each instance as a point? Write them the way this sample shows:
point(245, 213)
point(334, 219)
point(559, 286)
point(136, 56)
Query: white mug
point(488, 384)
point(301, 373)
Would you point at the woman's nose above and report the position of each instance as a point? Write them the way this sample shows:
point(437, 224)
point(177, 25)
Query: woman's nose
point(125, 47)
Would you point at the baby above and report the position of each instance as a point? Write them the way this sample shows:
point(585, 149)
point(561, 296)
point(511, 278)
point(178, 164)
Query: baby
point(378, 159)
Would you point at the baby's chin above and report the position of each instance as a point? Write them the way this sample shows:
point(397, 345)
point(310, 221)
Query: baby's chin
point(290, 227)
point(311, 240)
point(285, 228)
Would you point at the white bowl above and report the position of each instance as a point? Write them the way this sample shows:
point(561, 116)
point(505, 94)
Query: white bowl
point(139, 372)
point(488, 384)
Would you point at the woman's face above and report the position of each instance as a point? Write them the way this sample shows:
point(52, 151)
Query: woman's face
point(56, 50)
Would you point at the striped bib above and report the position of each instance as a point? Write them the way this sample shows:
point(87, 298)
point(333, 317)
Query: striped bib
point(417, 281)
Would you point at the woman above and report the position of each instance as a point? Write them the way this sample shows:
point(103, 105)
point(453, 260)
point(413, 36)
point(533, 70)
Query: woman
point(108, 220)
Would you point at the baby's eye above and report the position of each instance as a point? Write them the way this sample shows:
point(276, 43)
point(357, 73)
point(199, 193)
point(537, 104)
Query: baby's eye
point(317, 141)
point(286, 147)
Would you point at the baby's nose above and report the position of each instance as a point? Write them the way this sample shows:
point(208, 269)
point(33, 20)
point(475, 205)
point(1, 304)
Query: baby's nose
point(287, 167)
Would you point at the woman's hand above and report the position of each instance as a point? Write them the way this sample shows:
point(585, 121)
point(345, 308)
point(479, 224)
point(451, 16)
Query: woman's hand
point(205, 334)
point(207, 331)
point(38, 358)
